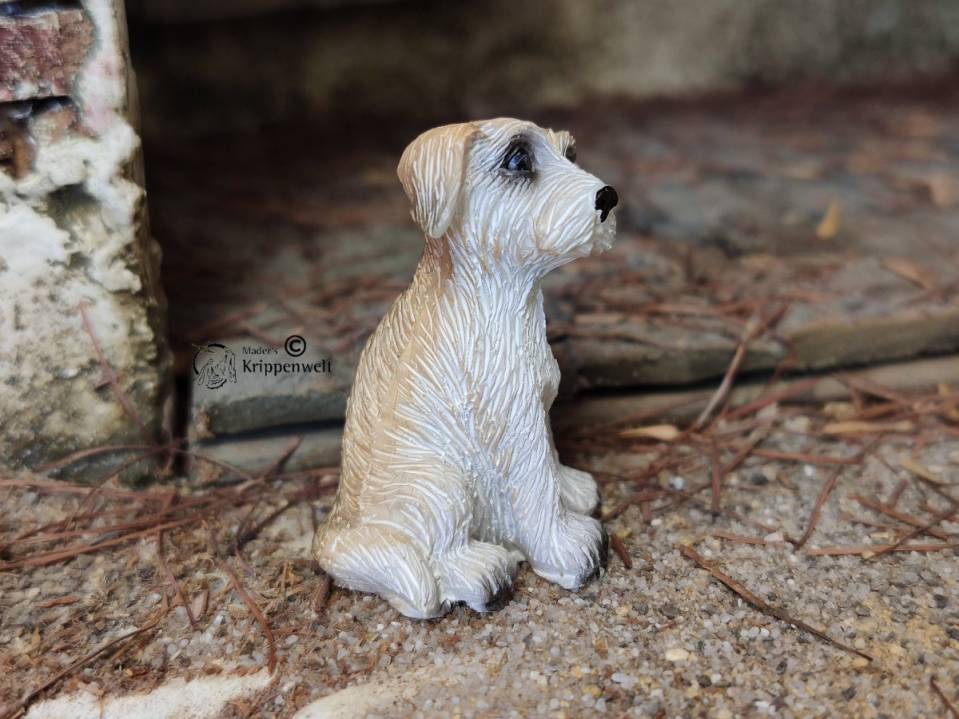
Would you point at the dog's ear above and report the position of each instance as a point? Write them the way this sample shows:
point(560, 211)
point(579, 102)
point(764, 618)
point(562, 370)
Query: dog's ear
point(433, 172)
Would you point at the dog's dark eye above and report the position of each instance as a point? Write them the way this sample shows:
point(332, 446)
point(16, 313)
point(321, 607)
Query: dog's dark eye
point(518, 160)
point(570, 153)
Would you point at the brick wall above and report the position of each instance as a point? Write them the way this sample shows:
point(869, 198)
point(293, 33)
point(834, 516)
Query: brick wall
point(78, 268)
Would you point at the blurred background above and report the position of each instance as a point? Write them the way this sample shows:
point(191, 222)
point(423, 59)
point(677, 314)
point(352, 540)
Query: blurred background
point(242, 65)
point(786, 163)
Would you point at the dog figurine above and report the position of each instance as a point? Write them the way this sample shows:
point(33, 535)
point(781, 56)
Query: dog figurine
point(449, 472)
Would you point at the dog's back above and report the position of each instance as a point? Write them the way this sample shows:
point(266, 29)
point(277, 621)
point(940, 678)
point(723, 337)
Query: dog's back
point(375, 375)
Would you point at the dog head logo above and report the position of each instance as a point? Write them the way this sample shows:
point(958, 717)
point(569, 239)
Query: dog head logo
point(214, 365)
point(507, 193)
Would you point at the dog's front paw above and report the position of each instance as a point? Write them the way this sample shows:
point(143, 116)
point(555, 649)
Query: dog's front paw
point(576, 553)
point(478, 574)
point(578, 490)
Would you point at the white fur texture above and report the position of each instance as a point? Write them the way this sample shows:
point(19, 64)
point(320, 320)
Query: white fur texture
point(450, 476)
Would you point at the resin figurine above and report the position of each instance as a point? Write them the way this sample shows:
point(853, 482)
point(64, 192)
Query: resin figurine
point(449, 474)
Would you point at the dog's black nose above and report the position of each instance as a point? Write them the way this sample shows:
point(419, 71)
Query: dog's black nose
point(606, 200)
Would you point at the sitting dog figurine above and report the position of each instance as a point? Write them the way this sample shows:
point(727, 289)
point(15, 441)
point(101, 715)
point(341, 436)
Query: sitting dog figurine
point(449, 474)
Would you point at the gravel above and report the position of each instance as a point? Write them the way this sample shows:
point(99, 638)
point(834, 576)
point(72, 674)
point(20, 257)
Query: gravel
point(662, 638)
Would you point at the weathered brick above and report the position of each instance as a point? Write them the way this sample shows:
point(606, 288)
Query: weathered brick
point(42, 53)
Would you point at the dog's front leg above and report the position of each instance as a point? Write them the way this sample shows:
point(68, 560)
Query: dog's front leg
point(578, 490)
point(561, 545)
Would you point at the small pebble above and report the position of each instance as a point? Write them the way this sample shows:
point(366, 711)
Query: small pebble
point(671, 611)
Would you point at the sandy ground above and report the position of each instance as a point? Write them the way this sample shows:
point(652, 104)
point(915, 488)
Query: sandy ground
point(661, 638)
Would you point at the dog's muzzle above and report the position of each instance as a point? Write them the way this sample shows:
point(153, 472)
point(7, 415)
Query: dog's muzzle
point(606, 200)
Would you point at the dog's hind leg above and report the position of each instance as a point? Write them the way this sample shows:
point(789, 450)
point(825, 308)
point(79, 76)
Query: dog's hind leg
point(383, 560)
point(477, 573)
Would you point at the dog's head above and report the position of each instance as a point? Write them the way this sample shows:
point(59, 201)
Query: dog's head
point(509, 190)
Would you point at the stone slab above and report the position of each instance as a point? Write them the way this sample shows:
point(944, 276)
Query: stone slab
point(684, 405)
point(725, 207)
point(272, 389)
point(317, 447)
point(320, 444)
